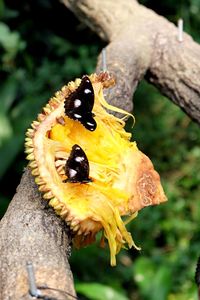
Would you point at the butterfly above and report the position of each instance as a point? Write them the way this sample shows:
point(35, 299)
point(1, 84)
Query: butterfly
point(77, 166)
point(79, 104)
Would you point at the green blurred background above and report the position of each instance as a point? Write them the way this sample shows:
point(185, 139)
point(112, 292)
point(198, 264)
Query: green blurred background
point(42, 47)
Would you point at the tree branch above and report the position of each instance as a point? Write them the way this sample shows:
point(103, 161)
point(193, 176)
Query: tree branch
point(142, 43)
point(30, 231)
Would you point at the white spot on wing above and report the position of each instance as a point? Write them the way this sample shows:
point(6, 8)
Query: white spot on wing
point(79, 158)
point(72, 173)
point(77, 103)
point(90, 124)
point(87, 91)
point(77, 116)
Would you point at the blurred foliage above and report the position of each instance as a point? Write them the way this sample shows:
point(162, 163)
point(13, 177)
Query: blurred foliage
point(42, 47)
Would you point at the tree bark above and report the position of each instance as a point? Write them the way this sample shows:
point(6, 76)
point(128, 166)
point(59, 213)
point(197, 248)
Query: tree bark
point(144, 44)
point(31, 232)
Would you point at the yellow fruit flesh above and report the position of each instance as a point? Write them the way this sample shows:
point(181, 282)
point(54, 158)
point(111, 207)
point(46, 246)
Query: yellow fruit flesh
point(99, 200)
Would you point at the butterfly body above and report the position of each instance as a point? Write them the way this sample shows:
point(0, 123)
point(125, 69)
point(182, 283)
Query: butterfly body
point(79, 104)
point(77, 166)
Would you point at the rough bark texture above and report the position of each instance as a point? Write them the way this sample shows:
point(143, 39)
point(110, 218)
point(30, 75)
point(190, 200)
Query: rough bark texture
point(142, 43)
point(31, 232)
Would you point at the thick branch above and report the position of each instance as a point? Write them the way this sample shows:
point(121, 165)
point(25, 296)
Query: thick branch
point(30, 231)
point(142, 43)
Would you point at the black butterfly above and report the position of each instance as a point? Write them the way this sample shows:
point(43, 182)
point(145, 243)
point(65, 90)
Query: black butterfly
point(79, 104)
point(77, 166)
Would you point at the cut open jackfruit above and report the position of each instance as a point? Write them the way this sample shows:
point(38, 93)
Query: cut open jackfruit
point(123, 179)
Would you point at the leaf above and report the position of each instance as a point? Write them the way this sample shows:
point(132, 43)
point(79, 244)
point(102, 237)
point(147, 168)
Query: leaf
point(153, 279)
point(5, 128)
point(10, 41)
point(97, 291)
point(8, 91)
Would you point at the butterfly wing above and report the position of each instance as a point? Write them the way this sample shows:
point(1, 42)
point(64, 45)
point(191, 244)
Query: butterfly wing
point(77, 166)
point(79, 104)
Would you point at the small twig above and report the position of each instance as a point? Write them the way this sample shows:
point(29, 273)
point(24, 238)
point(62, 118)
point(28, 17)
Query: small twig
point(57, 290)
